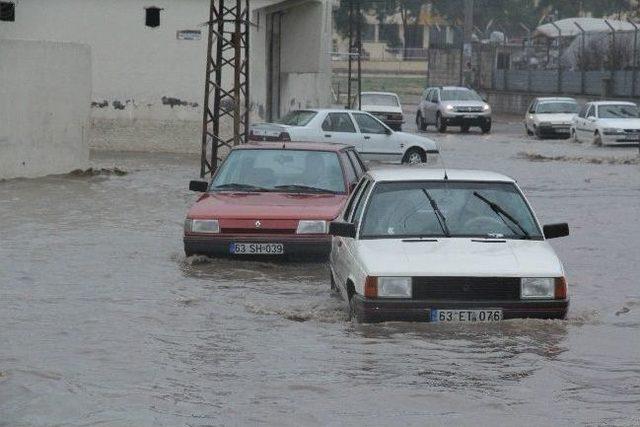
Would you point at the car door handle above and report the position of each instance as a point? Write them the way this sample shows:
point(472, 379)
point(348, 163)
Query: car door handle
point(326, 135)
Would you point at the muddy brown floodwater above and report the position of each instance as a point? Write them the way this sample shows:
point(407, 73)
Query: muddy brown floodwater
point(103, 322)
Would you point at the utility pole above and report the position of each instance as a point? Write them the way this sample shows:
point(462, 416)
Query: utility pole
point(467, 54)
point(355, 54)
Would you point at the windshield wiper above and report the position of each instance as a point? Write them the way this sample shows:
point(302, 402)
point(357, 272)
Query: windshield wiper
point(436, 210)
point(504, 214)
point(304, 188)
point(240, 187)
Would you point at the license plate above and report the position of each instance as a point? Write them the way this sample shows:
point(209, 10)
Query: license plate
point(256, 248)
point(466, 315)
point(470, 116)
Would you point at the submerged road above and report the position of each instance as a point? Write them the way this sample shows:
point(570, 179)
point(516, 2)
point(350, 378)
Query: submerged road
point(103, 322)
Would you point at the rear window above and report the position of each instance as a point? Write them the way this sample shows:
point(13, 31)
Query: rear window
point(557, 108)
point(297, 118)
point(380, 100)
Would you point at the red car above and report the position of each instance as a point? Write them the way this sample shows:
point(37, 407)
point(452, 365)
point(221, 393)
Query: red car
point(272, 199)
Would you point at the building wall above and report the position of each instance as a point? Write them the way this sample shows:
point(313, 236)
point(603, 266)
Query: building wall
point(148, 85)
point(45, 91)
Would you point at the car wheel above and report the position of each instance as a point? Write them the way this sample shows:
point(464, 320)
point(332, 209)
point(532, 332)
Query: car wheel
point(420, 123)
point(414, 156)
point(527, 130)
point(442, 127)
point(486, 127)
point(597, 139)
point(464, 128)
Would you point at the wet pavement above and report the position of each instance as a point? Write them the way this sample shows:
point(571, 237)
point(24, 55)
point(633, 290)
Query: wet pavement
point(103, 322)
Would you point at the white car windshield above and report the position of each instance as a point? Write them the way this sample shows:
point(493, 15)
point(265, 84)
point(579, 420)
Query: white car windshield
point(297, 118)
point(280, 170)
point(453, 209)
point(621, 111)
point(557, 108)
point(459, 95)
point(380, 100)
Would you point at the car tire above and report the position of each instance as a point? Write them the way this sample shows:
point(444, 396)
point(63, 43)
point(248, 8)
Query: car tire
point(414, 156)
point(486, 128)
point(597, 139)
point(420, 123)
point(527, 130)
point(464, 128)
point(440, 125)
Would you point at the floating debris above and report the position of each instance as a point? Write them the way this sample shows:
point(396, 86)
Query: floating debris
point(536, 157)
point(98, 171)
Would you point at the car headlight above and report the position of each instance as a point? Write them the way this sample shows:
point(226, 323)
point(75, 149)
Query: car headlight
point(537, 288)
point(312, 227)
point(486, 107)
point(394, 287)
point(208, 226)
point(612, 131)
point(449, 108)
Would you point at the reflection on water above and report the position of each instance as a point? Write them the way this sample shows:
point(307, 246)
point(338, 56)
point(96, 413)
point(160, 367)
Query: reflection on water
point(105, 322)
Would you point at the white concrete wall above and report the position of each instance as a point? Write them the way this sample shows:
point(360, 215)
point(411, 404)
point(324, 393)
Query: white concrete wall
point(45, 94)
point(135, 67)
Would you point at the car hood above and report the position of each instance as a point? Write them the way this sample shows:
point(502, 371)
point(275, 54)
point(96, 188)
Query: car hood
point(409, 139)
point(232, 205)
point(464, 103)
point(460, 257)
point(620, 123)
point(554, 118)
point(381, 109)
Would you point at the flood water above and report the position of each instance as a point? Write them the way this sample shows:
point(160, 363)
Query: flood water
point(103, 322)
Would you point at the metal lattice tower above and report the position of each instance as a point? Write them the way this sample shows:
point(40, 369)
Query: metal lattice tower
point(224, 101)
point(355, 53)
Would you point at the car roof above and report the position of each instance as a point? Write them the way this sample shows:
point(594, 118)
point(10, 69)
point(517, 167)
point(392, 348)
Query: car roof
point(379, 93)
point(330, 110)
point(304, 146)
point(612, 103)
point(404, 173)
point(455, 88)
point(554, 99)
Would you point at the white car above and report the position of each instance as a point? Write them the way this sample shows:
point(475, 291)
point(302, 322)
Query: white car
point(371, 138)
point(548, 117)
point(384, 105)
point(433, 245)
point(607, 122)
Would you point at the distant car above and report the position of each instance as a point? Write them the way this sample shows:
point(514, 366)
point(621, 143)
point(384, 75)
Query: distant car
point(547, 117)
point(607, 123)
point(384, 105)
point(372, 139)
point(453, 106)
point(272, 199)
point(439, 246)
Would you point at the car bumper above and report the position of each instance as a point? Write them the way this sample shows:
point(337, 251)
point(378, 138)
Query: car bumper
point(554, 130)
point(620, 139)
point(471, 119)
point(299, 246)
point(382, 310)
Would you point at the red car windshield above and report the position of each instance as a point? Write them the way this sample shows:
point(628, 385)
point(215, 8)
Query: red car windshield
point(282, 170)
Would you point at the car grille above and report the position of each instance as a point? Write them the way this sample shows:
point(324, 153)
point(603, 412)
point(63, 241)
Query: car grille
point(466, 288)
point(632, 131)
point(468, 109)
point(257, 231)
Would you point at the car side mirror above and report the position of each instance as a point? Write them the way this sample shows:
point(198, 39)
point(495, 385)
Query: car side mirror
point(199, 186)
point(342, 229)
point(553, 231)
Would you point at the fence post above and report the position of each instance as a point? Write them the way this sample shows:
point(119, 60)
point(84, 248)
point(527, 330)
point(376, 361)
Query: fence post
point(583, 87)
point(429, 65)
point(559, 85)
point(634, 69)
point(609, 85)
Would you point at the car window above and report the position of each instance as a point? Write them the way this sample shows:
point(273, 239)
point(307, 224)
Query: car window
point(354, 197)
point(406, 209)
point(583, 111)
point(532, 107)
point(381, 100)
point(338, 122)
point(433, 96)
point(358, 166)
point(368, 124)
point(618, 111)
point(297, 118)
point(591, 111)
point(359, 204)
point(350, 171)
point(565, 107)
point(286, 170)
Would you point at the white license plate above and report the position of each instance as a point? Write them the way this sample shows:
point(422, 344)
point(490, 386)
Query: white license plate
point(256, 248)
point(470, 116)
point(494, 315)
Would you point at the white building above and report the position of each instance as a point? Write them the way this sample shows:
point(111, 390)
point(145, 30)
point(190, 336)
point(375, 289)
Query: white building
point(148, 81)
